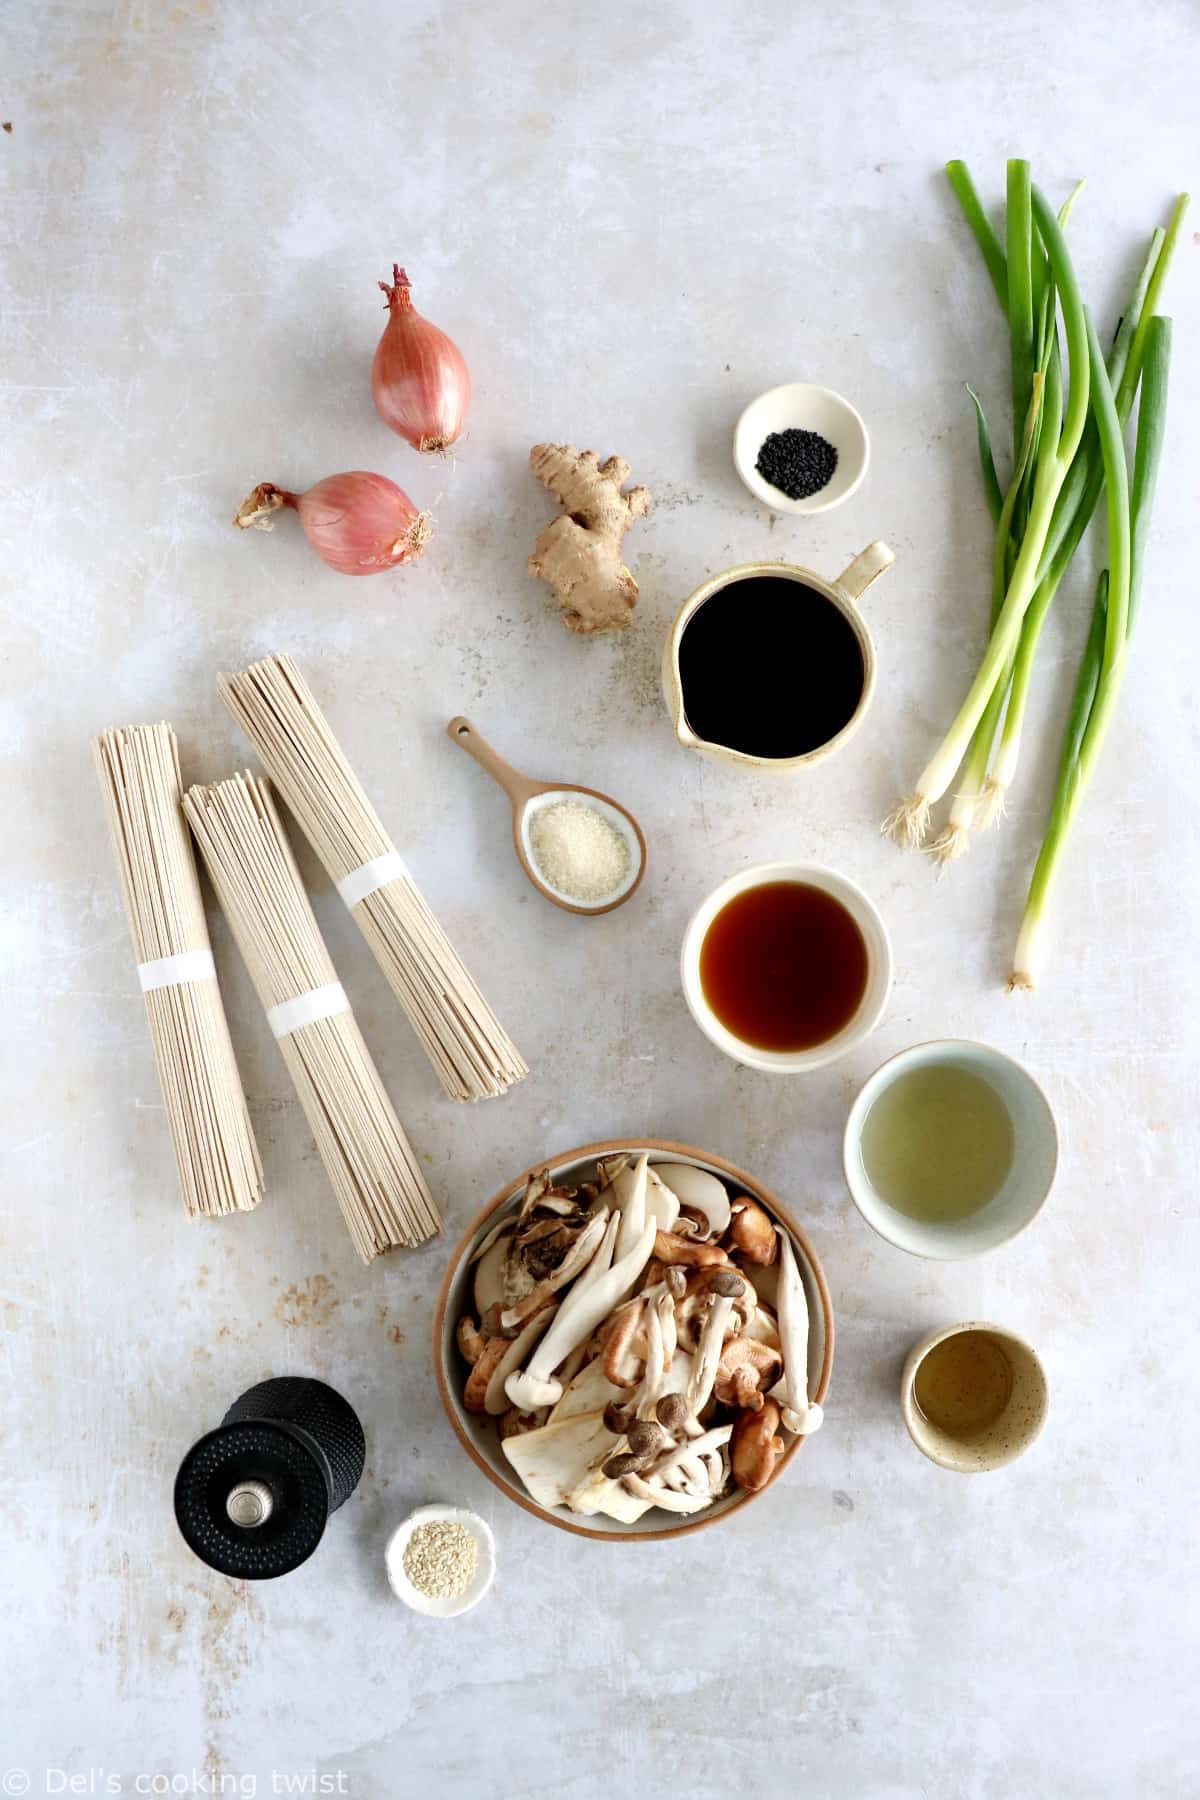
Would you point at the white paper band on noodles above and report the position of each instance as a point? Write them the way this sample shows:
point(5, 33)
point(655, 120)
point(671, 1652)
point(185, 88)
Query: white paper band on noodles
point(371, 875)
point(306, 1009)
point(173, 971)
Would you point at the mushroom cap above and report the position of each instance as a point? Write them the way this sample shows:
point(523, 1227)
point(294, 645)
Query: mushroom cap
point(755, 1447)
point(746, 1370)
point(752, 1232)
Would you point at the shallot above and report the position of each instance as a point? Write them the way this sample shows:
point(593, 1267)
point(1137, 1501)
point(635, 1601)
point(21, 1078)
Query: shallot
point(359, 523)
point(419, 379)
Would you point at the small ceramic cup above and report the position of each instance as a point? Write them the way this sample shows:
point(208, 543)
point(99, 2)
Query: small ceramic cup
point(879, 968)
point(1009, 1434)
point(1029, 1179)
point(799, 405)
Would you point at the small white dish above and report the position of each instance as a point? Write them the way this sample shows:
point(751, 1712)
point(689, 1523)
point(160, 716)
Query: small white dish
point(485, 1568)
point(800, 406)
point(879, 968)
point(1026, 1187)
point(1004, 1439)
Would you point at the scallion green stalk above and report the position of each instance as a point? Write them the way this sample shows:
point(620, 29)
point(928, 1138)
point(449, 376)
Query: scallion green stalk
point(1076, 504)
point(1103, 665)
point(1061, 431)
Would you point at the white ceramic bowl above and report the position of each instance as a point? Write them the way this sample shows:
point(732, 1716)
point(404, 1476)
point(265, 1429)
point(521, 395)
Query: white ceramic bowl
point(879, 968)
point(485, 1568)
point(1035, 1156)
point(480, 1437)
point(800, 406)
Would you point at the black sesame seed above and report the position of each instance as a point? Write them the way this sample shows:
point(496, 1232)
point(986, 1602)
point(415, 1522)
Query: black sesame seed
point(798, 463)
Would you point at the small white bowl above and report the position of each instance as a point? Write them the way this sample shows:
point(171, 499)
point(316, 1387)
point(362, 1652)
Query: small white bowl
point(879, 968)
point(800, 406)
point(991, 1446)
point(485, 1568)
point(1029, 1180)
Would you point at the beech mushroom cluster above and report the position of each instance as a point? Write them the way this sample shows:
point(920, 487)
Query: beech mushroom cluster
point(640, 1340)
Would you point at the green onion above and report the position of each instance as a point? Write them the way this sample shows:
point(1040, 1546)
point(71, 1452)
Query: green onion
point(1061, 429)
point(1077, 503)
point(1103, 665)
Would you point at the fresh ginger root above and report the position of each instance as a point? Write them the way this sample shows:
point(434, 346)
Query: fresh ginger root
point(579, 553)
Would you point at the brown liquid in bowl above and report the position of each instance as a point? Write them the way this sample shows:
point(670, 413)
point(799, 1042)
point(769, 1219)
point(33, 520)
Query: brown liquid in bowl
point(784, 966)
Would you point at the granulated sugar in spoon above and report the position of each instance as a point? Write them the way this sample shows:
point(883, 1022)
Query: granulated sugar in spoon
point(581, 849)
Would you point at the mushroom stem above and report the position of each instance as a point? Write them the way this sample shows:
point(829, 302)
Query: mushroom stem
point(708, 1440)
point(632, 1202)
point(708, 1354)
point(665, 1496)
point(797, 1413)
point(591, 1299)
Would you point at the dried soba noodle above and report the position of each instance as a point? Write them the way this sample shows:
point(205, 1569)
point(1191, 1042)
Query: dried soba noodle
point(219, 1167)
point(376, 1177)
point(474, 1057)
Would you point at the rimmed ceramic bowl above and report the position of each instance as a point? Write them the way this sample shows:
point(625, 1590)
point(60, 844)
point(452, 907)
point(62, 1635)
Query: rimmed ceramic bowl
point(871, 1007)
point(481, 1439)
point(802, 407)
point(1004, 1439)
point(1028, 1182)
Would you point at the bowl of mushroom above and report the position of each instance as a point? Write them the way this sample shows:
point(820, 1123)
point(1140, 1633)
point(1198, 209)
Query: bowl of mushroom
point(633, 1339)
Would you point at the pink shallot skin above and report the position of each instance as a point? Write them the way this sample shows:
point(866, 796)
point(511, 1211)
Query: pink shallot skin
point(419, 378)
point(359, 523)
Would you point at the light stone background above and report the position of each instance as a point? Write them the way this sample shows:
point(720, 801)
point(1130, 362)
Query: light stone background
point(633, 219)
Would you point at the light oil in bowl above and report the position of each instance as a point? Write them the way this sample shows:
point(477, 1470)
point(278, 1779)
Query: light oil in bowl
point(964, 1384)
point(937, 1145)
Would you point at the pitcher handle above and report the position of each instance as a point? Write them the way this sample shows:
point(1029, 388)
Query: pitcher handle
point(867, 567)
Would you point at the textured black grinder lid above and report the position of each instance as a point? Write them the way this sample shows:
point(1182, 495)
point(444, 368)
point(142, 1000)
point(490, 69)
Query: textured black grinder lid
point(302, 1441)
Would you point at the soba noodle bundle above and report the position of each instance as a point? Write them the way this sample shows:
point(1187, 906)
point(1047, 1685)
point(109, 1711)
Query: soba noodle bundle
point(474, 1057)
point(376, 1177)
point(219, 1167)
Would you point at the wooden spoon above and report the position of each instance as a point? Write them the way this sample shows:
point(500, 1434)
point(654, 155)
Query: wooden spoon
point(528, 797)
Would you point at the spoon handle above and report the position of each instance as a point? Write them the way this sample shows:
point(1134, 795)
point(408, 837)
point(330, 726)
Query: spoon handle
point(518, 787)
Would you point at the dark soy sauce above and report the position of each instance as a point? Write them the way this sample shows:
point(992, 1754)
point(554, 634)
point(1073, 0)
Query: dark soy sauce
point(769, 667)
point(784, 966)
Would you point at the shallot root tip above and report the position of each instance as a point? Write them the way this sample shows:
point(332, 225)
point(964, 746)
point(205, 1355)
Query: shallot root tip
point(1021, 983)
point(908, 824)
point(254, 514)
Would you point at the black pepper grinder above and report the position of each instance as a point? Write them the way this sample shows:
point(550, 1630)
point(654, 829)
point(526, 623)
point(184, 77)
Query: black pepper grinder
point(252, 1497)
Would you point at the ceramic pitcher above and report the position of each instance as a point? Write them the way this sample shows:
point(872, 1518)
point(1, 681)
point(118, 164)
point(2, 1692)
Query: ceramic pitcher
point(843, 592)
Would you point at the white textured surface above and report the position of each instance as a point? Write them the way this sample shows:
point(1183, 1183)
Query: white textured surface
point(632, 219)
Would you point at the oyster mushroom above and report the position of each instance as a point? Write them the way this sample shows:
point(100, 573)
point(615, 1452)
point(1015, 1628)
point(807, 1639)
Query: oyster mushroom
point(495, 1399)
point(596, 1292)
point(746, 1371)
point(800, 1414)
point(752, 1232)
point(578, 1255)
point(620, 1173)
point(699, 1192)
